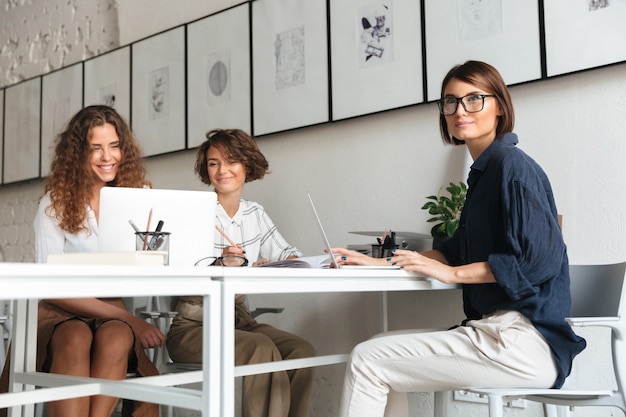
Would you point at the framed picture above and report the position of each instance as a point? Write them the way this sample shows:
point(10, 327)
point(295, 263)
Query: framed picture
point(21, 131)
point(376, 56)
point(598, 40)
point(62, 97)
point(158, 92)
point(290, 64)
point(1, 130)
point(107, 81)
point(218, 73)
point(503, 33)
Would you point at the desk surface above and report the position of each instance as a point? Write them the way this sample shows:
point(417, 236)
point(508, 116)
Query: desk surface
point(26, 281)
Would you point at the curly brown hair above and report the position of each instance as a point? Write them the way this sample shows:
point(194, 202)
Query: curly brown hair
point(71, 183)
point(487, 78)
point(237, 146)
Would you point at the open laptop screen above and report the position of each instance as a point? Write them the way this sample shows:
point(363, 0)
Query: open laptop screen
point(188, 215)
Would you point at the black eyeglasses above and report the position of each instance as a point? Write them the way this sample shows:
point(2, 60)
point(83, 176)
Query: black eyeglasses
point(231, 260)
point(472, 103)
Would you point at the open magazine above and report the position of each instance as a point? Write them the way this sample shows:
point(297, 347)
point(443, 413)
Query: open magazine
point(319, 261)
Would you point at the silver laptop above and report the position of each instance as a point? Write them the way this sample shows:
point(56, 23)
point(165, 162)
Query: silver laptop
point(188, 215)
point(333, 261)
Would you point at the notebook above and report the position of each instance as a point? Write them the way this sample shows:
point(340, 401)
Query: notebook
point(188, 215)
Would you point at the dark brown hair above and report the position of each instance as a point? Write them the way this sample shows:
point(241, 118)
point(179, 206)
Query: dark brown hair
point(71, 182)
point(236, 146)
point(488, 79)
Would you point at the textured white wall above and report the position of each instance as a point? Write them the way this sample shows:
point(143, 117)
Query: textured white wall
point(367, 173)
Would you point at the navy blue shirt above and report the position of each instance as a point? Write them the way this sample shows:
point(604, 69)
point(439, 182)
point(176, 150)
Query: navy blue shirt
point(510, 221)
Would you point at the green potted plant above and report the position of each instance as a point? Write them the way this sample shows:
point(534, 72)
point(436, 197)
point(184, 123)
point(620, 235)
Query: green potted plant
point(446, 210)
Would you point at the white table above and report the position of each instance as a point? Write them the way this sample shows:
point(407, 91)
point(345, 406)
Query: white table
point(298, 280)
point(28, 283)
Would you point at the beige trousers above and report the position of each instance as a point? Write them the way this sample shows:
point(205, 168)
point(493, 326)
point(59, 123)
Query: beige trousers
point(502, 350)
point(277, 394)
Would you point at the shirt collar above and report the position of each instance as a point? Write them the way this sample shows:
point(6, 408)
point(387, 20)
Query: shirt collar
point(508, 139)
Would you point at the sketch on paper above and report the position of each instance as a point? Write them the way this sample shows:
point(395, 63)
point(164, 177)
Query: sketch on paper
point(218, 78)
point(159, 93)
point(478, 19)
point(106, 95)
point(374, 34)
point(593, 5)
point(289, 58)
point(61, 115)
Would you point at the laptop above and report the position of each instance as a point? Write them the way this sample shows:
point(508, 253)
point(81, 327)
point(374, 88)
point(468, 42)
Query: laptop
point(328, 247)
point(333, 261)
point(189, 217)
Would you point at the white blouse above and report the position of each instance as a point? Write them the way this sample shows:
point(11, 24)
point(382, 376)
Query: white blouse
point(50, 238)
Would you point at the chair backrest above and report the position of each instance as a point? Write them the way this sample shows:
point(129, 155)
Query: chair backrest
point(597, 290)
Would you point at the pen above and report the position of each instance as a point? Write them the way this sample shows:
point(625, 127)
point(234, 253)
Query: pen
point(155, 236)
point(134, 226)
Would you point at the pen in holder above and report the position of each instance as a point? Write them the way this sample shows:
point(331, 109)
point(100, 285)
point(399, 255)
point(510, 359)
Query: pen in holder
point(385, 245)
point(154, 241)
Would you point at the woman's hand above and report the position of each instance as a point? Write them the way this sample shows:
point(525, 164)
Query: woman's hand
point(148, 335)
point(416, 262)
point(236, 250)
point(433, 264)
point(351, 257)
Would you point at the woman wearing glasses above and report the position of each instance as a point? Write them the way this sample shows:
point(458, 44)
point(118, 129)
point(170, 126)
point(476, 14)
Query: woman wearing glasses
point(508, 255)
point(227, 160)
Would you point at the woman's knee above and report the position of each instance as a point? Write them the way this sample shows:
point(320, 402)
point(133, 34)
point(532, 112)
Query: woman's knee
point(115, 338)
point(254, 348)
point(72, 338)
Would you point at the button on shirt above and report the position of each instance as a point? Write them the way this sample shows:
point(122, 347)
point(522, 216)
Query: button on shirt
point(510, 220)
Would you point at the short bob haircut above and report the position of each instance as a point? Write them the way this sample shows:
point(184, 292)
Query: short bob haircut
point(487, 78)
point(236, 146)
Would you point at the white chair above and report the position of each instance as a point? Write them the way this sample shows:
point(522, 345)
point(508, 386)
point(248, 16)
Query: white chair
point(598, 299)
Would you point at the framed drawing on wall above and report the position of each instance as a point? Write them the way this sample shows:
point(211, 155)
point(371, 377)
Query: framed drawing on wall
point(158, 92)
point(107, 81)
point(62, 97)
point(1, 130)
point(290, 64)
point(218, 73)
point(600, 41)
point(21, 131)
point(503, 33)
point(376, 56)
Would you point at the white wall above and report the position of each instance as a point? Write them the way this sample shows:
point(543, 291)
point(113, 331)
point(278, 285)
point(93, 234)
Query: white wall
point(367, 173)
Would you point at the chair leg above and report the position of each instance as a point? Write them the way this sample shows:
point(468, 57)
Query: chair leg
point(496, 406)
point(442, 399)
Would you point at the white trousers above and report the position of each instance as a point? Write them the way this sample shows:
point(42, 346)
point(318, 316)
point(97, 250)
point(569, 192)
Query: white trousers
point(501, 350)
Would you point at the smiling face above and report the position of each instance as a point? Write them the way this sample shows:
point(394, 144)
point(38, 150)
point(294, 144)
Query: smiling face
point(478, 129)
point(106, 154)
point(226, 176)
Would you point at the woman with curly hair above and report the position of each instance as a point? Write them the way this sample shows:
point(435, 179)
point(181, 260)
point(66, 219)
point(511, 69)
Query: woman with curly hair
point(227, 160)
point(90, 336)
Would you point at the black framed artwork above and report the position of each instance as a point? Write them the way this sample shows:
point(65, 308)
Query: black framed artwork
point(21, 131)
point(218, 73)
point(584, 34)
point(107, 81)
point(158, 92)
point(62, 97)
point(376, 56)
point(290, 64)
point(1, 130)
point(503, 33)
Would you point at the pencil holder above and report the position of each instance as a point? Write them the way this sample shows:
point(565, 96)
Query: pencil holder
point(154, 241)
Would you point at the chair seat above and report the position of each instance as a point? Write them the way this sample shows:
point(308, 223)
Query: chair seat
point(544, 393)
